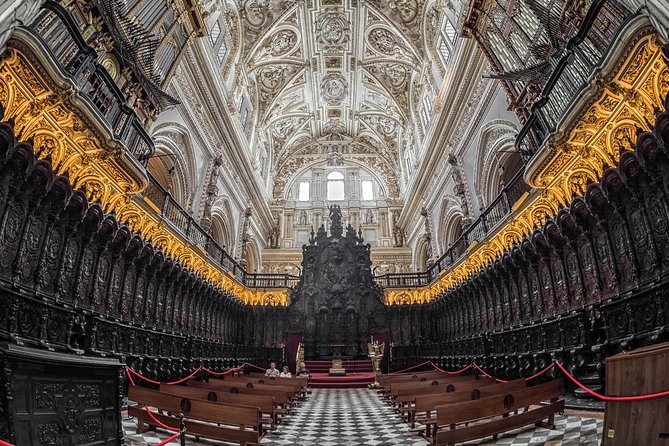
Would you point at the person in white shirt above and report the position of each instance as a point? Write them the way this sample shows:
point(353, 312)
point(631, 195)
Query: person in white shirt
point(272, 372)
point(285, 373)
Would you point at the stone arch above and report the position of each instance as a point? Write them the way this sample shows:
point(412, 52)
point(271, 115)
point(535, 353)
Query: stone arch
point(253, 257)
point(495, 149)
point(173, 164)
point(222, 224)
point(421, 254)
point(450, 219)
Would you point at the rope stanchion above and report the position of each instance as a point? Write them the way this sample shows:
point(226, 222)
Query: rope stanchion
point(4, 443)
point(457, 372)
point(411, 368)
point(541, 372)
point(172, 438)
point(610, 398)
point(256, 367)
point(488, 375)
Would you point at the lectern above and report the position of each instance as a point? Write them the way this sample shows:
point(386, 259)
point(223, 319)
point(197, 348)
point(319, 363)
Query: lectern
point(638, 372)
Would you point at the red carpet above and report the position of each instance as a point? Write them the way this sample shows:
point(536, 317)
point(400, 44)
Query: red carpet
point(359, 373)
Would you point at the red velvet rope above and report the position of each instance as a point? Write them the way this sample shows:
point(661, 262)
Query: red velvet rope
point(130, 370)
point(134, 372)
point(488, 375)
point(411, 368)
point(225, 372)
point(450, 373)
point(4, 443)
point(173, 437)
point(256, 367)
point(611, 398)
point(158, 422)
point(127, 372)
point(541, 372)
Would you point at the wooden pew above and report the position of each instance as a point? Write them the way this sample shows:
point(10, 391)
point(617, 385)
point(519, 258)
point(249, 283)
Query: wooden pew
point(395, 388)
point(266, 404)
point(426, 404)
point(301, 379)
point(297, 387)
point(406, 398)
point(281, 396)
point(235, 423)
point(387, 379)
point(497, 414)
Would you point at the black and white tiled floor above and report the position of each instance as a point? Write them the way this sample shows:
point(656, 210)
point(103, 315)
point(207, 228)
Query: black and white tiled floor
point(356, 417)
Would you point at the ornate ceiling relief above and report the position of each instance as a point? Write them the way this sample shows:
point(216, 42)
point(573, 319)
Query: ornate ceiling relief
point(334, 88)
point(327, 73)
point(333, 31)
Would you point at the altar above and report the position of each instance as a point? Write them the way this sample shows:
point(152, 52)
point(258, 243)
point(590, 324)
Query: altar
point(336, 305)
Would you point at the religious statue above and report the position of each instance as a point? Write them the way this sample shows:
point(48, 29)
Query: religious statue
point(398, 235)
point(369, 217)
point(335, 214)
point(303, 217)
point(274, 238)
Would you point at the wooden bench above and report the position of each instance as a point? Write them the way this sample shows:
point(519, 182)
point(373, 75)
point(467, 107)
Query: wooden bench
point(424, 405)
point(281, 397)
point(266, 404)
point(395, 388)
point(491, 416)
point(387, 379)
point(234, 423)
point(278, 382)
point(407, 398)
point(303, 380)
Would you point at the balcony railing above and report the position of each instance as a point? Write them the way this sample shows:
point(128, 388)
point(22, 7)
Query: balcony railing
point(495, 213)
point(584, 52)
point(58, 32)
point(184, 223)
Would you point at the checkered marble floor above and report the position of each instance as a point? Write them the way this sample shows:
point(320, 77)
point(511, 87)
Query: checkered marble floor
point(355, 417)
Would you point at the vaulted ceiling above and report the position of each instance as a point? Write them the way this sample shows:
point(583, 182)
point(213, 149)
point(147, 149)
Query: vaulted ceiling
point(335, 79)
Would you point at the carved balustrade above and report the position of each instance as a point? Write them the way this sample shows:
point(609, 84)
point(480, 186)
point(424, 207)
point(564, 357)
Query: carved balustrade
point(74, 280)
point(72, 55)
point(587, 284)
point(191, 230)
point(571, 73)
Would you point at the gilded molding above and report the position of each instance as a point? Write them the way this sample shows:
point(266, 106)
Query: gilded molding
point(626, 103)
point(44, 115)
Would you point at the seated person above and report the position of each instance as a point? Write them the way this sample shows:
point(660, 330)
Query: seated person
point(286, 373)
point(272, 371)
point(302, 370)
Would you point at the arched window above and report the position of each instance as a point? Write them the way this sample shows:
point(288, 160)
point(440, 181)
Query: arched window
point(303, 191)
point(367, 190)
point(335, 186)
point(447, 38)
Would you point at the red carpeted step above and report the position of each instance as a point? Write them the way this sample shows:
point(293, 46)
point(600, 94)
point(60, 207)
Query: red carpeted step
point(354, 385)
point(323, 366)
point(350, 381)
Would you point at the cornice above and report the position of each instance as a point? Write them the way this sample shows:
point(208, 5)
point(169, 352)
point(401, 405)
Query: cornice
point(222, 141)
point(444, 129)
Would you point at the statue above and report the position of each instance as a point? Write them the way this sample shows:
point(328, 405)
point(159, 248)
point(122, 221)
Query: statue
point(375, 353)
point(335, 215)
point(369, 217)
point(398, 235)
point(274, 238)
point(303, 217)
